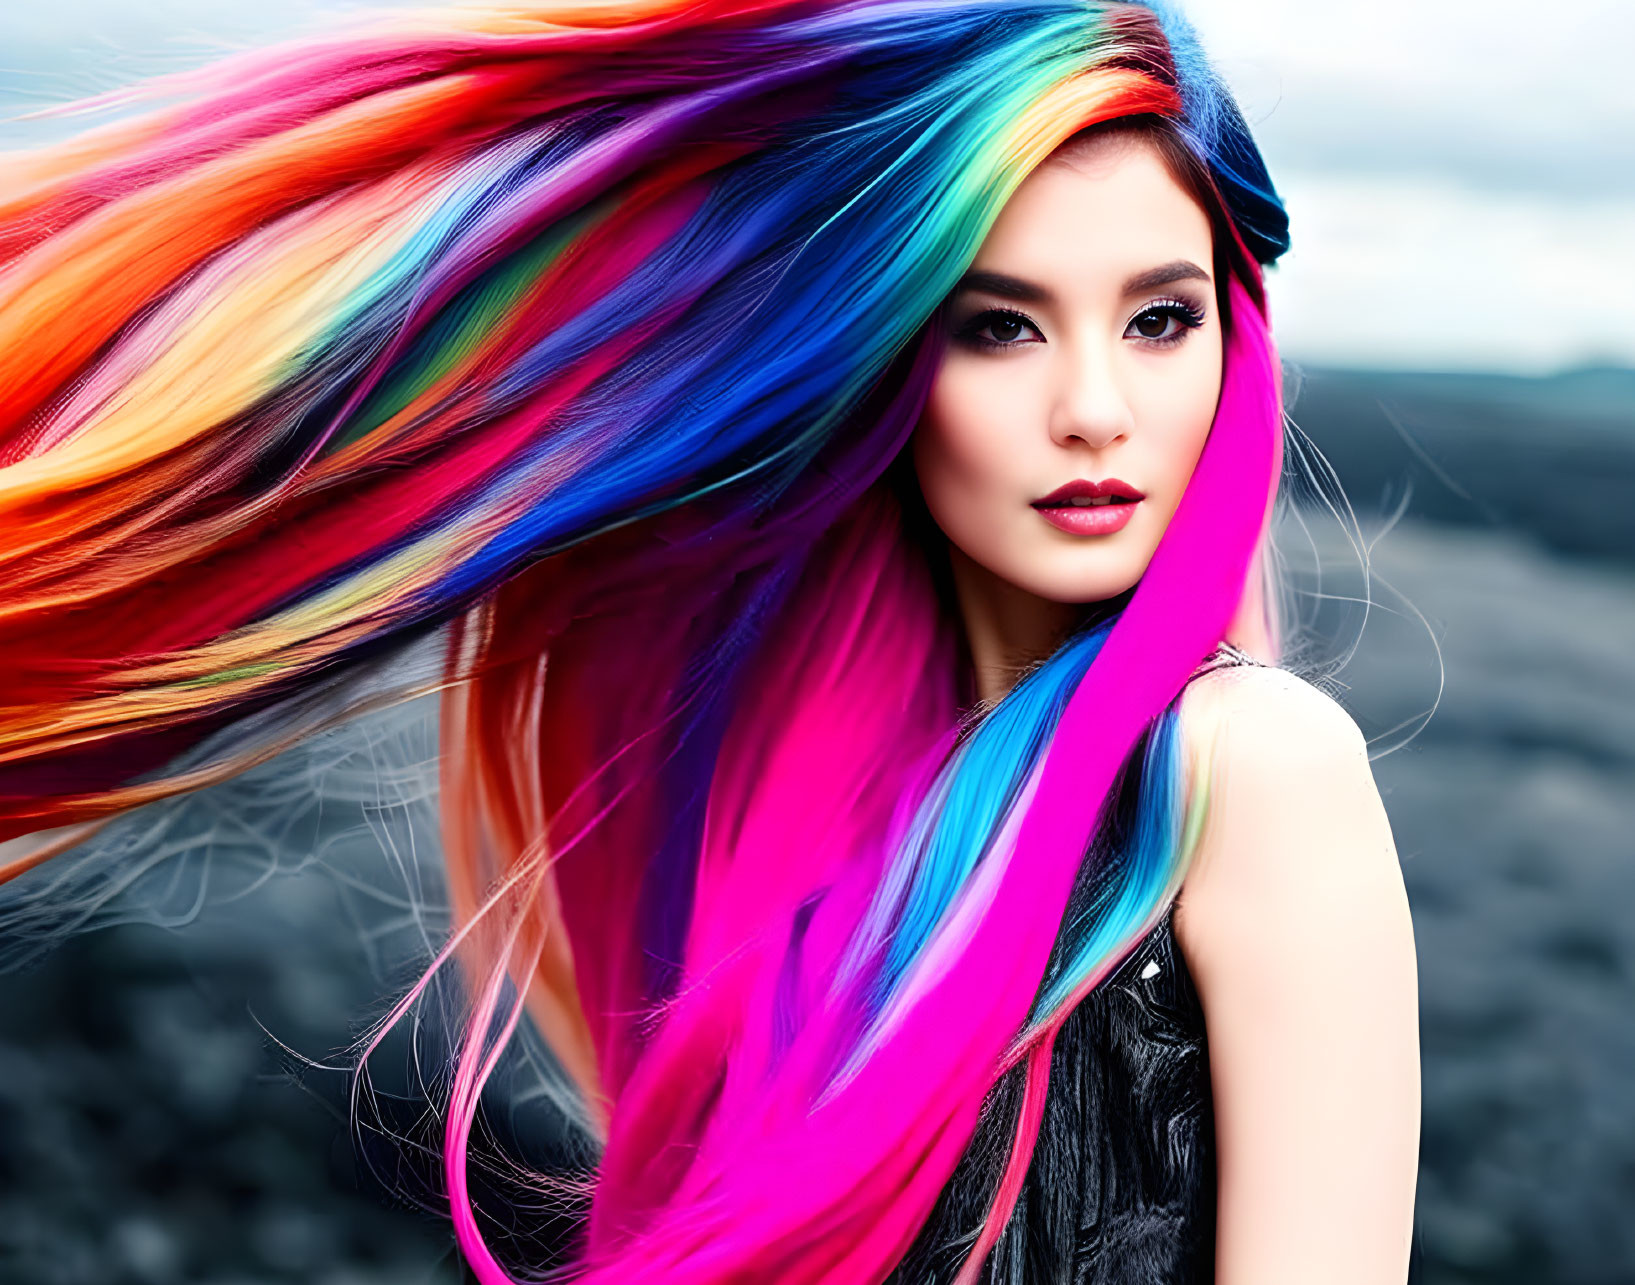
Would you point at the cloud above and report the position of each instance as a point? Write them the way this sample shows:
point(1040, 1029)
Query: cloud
point(1502, 96)
point(1418, 273)
point(1460, 175)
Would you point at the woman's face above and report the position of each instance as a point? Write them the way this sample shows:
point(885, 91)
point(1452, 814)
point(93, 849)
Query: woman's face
point(1084, 357)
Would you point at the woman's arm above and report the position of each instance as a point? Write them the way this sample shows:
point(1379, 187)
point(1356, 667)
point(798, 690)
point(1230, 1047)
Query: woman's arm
point(1294, 922)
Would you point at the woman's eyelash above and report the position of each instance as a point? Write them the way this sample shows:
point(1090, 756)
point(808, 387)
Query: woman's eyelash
point(968, 331)
point(1189, 317)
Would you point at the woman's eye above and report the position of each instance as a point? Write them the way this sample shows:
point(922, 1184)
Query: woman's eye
point(997, 329)
point(1159, 325)
point(1155, 323)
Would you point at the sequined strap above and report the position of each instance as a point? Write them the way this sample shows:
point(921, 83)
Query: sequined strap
point(1226, 656)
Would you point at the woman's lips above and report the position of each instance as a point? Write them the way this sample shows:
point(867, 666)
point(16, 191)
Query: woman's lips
point(1089, 519)
point(1083, 489)
point(1090, 508)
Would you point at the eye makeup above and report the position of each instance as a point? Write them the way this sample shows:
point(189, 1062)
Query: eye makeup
point(999, 318)
point(1002, 321)
point(1188, 317)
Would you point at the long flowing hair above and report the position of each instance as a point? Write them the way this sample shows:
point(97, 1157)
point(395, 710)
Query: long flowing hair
point(590, 334)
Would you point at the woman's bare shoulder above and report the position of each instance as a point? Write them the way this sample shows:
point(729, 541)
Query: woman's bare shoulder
point(1294, 820)
point(1294, 922)
point(1268, 710)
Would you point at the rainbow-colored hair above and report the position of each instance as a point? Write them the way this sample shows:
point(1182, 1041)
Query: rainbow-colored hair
point(591, 332)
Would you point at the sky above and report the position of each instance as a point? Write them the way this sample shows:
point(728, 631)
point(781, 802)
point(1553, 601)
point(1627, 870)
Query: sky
point(1460, 174)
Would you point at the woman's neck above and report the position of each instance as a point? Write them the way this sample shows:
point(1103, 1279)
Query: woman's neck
point(1008, 629)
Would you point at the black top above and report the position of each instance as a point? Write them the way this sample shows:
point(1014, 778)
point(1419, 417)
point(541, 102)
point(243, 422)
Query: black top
point(1121, 1188)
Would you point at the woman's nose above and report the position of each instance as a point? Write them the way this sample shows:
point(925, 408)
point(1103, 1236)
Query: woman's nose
point(1091, 406)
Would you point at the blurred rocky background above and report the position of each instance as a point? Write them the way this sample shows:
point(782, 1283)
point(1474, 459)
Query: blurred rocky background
point(1513, 804)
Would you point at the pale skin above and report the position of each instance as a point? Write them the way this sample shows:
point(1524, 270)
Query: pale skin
point(1293, 918)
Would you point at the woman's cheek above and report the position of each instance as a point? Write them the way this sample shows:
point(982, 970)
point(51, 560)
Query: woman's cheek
point(1178, 424)
point(959, 450)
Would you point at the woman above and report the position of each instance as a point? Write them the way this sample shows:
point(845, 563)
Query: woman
point(839, 439)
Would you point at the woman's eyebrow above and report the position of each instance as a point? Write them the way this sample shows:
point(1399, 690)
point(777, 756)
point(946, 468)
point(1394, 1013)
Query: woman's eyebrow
point(1004, 285)
point(1179, 270)
point(1024, 291)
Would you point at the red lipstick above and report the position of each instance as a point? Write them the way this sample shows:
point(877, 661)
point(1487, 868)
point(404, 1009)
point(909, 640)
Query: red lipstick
point(1090, 508)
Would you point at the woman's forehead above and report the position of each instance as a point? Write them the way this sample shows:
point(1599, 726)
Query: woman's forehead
point(1121, 212)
